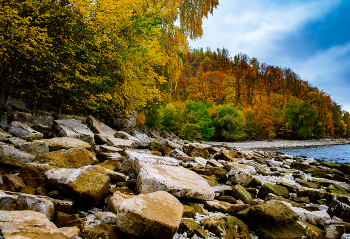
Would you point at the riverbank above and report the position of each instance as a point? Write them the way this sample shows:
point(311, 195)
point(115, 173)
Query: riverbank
point(283, 143)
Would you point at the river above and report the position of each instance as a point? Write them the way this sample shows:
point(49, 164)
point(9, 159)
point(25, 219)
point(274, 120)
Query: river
point(333, 153)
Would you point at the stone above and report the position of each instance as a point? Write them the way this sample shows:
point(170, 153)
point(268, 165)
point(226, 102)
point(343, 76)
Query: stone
point(4, 119)
point(36, 204)
point(178, 181)
point(290, 231)
point(106, 217)
point(312, 194)
point(34, 148)
point(59, 143)
point(30, 224)
point(339, 209)
point(177, 153)
point(128, 122)
point(234, 168)
point(23, 131)
point(201, 161)
point(191, 227)
point(12, 182)
point(124, 135)
point(241, 193)
point(65, 206)
point(33, 174)
point(97, 127)
point(312, 231)
point(219, 172)
point(11, 152)
point(317, 218)
point(7, 202)
point(345, 168)
point(334, 229)
point(122, 143)
point(302, 200)
point(226, 227)
point(190, 211)
point(270, 214)
point(87, 185)
point(218, 206)
point(74, 129)
point(28, 190)
point(4, 136)
point(227, 155)
point(155, 215)
point(221, 189)
point(67, 220)
point(243, 178)
point(139, 135)
point(44, 129)
point(196, 151)
point(229, 199)
point(275, 189)
point(308, 184)
point(70, 158)
point(115, 201)
point(134, 161)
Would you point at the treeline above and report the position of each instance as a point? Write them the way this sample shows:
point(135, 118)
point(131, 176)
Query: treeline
point(242, 98)
point(107, 56)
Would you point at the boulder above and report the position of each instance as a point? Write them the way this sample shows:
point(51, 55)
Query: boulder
point(317, 218)
point(177, 153)
point(11, 152)
point(36, 204)
point(339, 209)
point(33, 174)
point(219, 172)
point(11, 182)
point(74, 129)
point(97, 127)
point(134, 161)
point(226, 227)
point(7, 202)
point(4, 136)
point(117, 142)
point(197, 151)
point(275, 189)
point(59, 143)
point(218, 206)
point(153, 215)
point(88, 185)
point(241, 193)
point(227, 155)
point(178, 181)
point(234, 168)
point(70, 158)
point(191, 227)
point(124, 135)
point(67, 220)
point(44, 129)
point(23, 131)
point(115, 201)
point(334, 229)
point(34, 148)
point(128, 122)
point(30, 224)
point(243, 178)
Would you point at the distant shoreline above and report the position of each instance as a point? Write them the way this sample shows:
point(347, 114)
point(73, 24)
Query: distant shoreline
point(283, 143)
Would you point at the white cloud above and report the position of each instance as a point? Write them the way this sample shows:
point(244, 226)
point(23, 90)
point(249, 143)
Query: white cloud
point(254, 26)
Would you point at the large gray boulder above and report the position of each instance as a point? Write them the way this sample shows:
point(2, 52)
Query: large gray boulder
point(23, 131)
point(153, 215)
point(134, 161)
point(37, 204)
point(74, 129)
point(178, 181)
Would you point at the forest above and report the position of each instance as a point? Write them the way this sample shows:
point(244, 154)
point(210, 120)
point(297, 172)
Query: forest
point(111, 57)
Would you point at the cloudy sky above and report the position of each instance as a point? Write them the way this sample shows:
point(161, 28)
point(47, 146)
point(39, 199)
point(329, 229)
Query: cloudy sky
point(312, 37)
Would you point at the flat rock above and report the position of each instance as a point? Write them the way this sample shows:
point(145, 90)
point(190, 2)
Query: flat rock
point(4, 137)
point(117, 142)
point(34, 148)
point(226, 227)
point(11, 152)
point(59, 143)
point(317, 218)
point(234, 168)
point(23, 131)
point(275, 189)
point(134, 161)
point(97, 127)
point(153, 215)
point(178, 181)
point(70, 158)
point(74, 129)
point(7, 202)
point(88, 185)
point(30, 224)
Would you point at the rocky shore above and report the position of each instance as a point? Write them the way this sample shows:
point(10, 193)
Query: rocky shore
point(75, 177)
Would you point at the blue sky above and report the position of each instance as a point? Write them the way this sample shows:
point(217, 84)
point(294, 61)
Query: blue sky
point(310, 37)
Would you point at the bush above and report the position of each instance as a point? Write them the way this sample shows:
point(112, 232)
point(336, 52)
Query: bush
point(228, 122)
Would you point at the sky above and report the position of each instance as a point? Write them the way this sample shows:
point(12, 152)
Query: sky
point(311, 37)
